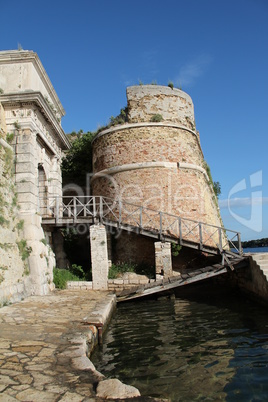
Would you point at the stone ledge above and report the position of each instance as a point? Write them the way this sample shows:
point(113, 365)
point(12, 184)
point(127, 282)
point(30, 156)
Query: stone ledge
point(120, 127)
point(83, 285)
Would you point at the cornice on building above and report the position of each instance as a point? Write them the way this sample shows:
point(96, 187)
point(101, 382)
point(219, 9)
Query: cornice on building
point(23, 98)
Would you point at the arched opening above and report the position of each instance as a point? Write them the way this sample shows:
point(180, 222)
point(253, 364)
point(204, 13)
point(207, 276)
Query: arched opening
point(42, 190)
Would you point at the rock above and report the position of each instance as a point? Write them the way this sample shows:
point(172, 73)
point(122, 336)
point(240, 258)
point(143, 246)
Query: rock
point(132, 275)
point(115, 389)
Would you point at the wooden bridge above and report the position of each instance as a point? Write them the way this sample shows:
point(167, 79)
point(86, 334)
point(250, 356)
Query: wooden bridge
point(72, 210)
point(167, 285)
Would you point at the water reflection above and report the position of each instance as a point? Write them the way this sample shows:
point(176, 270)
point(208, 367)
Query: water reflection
point(189, 350)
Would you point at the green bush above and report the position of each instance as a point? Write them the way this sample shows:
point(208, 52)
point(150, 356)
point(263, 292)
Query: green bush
point(156, 118)
point(175, 249)
point(62, 276)
point(120, 119)
point(78, 271)
point(117, 270)
point(170, 84)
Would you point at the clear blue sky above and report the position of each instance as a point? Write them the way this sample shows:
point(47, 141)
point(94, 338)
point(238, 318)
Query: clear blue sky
point(216, 50)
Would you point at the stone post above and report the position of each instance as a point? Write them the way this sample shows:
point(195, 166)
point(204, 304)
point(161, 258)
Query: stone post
point(99, 257)
point(163, 260)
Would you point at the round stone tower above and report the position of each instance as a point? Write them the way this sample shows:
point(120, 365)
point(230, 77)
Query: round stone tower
point(155, 159)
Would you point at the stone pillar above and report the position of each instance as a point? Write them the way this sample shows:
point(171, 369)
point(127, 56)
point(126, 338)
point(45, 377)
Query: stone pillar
point(99, 257)
point(163, 260)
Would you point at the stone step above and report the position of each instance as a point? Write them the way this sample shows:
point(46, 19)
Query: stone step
point(264, 269)
point(260, 256)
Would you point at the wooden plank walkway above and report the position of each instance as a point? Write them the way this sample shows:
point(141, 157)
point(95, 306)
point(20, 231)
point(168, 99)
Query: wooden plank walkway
point(169, 284)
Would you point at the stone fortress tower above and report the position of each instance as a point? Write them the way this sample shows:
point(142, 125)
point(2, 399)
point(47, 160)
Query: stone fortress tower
point(155, 159)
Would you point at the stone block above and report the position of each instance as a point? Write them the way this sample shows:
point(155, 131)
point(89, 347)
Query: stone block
point(23, 177)
point(143, 281)
point(25, 157)
point(25, 167)
point(118, 281)
point(134, 281)
point(23, 149)
point(27, 187)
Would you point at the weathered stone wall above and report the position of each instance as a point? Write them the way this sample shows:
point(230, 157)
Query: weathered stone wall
point(149, 142)
point(144, 101)
point(13, 270)
point(253, 279)
point(26, 260)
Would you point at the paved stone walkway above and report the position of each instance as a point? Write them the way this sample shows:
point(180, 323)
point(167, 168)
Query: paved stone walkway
point(43, 346)
point(44, 343)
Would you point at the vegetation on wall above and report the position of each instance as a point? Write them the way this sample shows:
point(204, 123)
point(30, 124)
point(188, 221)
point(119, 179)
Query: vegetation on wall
point(120, 119)
point(154, 82)
point(10, 137)
point(156, 118)
point(215, 184)
point(9, 207)
point(24, 249)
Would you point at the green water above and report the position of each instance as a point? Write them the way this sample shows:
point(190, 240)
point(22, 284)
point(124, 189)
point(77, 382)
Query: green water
point(189, 350)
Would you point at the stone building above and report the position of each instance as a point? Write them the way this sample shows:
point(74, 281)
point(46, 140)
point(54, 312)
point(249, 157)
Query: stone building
point(154, 160)
point(31, 118)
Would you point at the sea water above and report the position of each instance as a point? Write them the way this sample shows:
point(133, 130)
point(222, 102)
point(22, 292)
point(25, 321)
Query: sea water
point(198, 349)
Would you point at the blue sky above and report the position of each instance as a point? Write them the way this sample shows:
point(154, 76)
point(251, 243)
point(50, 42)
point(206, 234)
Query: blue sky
point(215, 50)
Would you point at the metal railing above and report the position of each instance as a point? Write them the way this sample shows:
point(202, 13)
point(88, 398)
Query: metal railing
point(128, 216)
